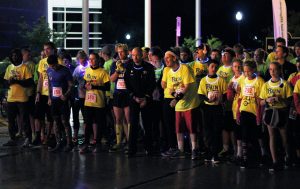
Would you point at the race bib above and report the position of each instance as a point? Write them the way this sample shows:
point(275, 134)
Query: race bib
point(91, 97)
point(121, 84)
point(45, 83)
point(56, 91)
point(212, 94)
point(249, 91)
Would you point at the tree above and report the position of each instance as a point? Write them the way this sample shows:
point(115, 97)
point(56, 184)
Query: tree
point(214, 42)
point(39, 33)
point(189, 43)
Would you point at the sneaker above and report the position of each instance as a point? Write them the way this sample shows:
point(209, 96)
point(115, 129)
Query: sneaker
point(84, 150)
point(215, 160)
point(68, 148)
point(208, 157)
point(275, 167)
point(19, 135)
point(243, 164)
point(115, 148)
point(37, 141)
point(224, 153)
point(287, 162)
point(10, 143)
point(97, 148)
point(169, 152)
point(194, 154)
point(178, 155)
point(56, 148)
point(27, 143)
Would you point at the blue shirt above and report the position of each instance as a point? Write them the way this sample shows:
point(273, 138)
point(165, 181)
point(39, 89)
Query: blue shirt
point(58, 81)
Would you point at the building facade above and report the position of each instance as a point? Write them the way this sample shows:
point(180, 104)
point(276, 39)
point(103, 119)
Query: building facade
point(65, 16)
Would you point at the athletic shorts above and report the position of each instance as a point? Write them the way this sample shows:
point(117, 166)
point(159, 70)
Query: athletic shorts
point(283, 117)
point(42, 108)
point(186, 120)
point(121, 99)
point(60, 108)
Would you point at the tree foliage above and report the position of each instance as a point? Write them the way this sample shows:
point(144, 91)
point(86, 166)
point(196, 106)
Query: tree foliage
point(213, 42)
point(37, 34)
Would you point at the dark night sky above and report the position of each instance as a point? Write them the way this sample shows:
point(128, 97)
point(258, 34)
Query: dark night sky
point(218, 19)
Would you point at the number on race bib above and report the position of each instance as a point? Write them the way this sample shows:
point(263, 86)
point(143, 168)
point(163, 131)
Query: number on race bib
point(91, 97)
point(56, 91)
point(212, 94)
point(249, 91)
point(121, 84)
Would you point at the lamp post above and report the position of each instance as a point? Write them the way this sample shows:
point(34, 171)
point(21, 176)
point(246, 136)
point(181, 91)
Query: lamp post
point(239, 17)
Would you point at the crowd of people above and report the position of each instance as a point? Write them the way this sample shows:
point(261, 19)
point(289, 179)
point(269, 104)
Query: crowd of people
point(227, 104)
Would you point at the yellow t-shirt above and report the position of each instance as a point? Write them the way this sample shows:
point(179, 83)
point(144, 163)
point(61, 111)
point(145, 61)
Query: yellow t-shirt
point(97, 77)
point(236, 86)
point(212, 87)
point(31, 67)
point(178, 79)
point(17, 93)
point(250, 91)
point(167, 91)
point(43, 66)
point(297, 87)
point(225, 72)
point(199, 70)
point(280, 88)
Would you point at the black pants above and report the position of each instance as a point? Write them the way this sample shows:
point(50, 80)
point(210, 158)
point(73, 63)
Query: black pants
point(14, 109)
point(97, 116)
point(250, 132)
point(169, 123)
point(146, 113)
point(157, 113)
point(212, 124)
point(60, 112)
point(78, 106)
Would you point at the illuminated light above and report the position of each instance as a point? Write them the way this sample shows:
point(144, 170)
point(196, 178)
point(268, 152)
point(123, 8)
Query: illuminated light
point(239, 16)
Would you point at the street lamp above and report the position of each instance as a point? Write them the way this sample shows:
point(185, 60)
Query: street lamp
point(239, 17)
point(128, 36)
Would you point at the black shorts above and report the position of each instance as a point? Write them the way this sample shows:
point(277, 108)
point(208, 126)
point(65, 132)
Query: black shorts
point(228, 121)
point(121, 99)
point(31, 105)
point(60, 108)
point(283, 117)
point(42, 108)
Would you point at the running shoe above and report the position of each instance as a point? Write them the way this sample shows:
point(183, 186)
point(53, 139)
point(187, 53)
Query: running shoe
point(178, 155)
point(115, 148)
point(27, 143)
point(10, 143)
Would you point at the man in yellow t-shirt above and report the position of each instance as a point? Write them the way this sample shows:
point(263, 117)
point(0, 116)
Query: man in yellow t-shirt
point(97, 82)
point(41, 100)
point(212, 90)
point(26, 54)
point(182, 86)
point(18, 78)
